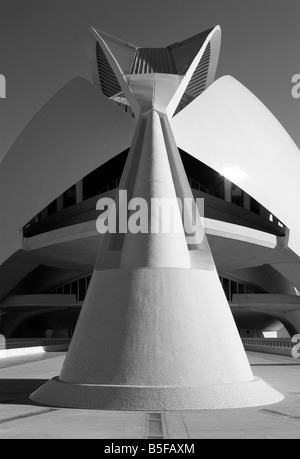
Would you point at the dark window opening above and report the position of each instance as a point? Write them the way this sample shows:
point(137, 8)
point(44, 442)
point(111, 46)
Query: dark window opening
point(226, 288)
point(237, 196)
point(254, 206)
point(69, 197)
point(202, 177)
point(105, 176)
point(52, 208)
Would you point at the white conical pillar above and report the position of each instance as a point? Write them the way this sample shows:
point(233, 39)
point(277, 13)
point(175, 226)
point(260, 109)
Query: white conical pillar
point(159, 246)
point(155, 333)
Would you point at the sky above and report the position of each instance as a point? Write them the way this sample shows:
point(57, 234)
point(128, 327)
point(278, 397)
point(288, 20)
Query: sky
point(42, 47)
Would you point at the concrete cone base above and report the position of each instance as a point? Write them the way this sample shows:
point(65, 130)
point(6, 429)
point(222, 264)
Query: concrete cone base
point(97, 397)
point(156, 339)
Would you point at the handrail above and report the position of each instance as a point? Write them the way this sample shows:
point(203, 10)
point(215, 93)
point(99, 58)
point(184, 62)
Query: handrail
point(279, 346)
point(274, 342)
point(195, 185)
point(110, 185)
point(37, 343)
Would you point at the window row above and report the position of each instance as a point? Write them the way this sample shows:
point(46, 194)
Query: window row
point(80, 285)
point(231, 287)
point(76, 287)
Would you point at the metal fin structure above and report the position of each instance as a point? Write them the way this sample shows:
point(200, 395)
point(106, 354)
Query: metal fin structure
point(155, 332)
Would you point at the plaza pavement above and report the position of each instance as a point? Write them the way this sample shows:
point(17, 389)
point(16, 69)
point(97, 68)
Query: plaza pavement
point(21, 418)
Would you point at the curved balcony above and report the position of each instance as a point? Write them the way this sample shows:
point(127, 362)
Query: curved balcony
point(214, 208)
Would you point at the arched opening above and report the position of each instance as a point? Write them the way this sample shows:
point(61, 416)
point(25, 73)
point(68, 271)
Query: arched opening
point(255, 324)
point(51, 324)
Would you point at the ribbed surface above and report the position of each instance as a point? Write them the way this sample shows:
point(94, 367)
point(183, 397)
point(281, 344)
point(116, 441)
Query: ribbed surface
point(153, 60)
point(121, 100)
point(184, 52)
point(108, 81)
point(198, 81)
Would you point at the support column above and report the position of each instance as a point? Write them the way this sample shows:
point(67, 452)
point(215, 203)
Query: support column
point(79, 191)
point(227, 189)
point(155, 332)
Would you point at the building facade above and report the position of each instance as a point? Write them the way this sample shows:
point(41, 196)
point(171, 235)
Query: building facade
point(235, 155)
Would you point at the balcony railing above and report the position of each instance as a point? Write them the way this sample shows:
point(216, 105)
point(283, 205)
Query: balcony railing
point(11, 344)
point(279, 346)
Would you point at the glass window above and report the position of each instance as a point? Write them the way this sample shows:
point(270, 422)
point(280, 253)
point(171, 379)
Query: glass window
point(194, 184)
point(82, 289)
point(233, 288)
point(52, 208)
point(241, 288)
point(70, 197)
point(66, 288)
point(74, 289)
point(226, 287)
point(88, 280)
point(254, 206)
point(237, 197)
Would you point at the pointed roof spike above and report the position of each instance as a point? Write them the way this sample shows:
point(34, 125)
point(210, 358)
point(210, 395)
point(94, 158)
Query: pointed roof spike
point(123, 51)
point(193, 61)
point(185, 51)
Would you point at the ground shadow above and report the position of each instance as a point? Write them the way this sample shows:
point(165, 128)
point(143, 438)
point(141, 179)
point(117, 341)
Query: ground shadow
point(17, 391)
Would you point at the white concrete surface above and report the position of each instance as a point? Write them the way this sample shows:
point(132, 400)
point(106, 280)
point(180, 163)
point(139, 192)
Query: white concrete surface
point(77, 131)
point(21, 418)
point(231, 131)
point(174, 344)
point(144, 336)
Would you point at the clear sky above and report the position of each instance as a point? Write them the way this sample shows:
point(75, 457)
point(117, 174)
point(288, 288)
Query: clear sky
point(42, 47)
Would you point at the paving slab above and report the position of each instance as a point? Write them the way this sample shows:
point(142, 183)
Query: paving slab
point(21, 418)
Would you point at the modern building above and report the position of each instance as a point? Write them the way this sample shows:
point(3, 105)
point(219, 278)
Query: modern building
point(235, 153)
point(86, 143)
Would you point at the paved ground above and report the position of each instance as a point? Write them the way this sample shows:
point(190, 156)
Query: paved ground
point(21, 418)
